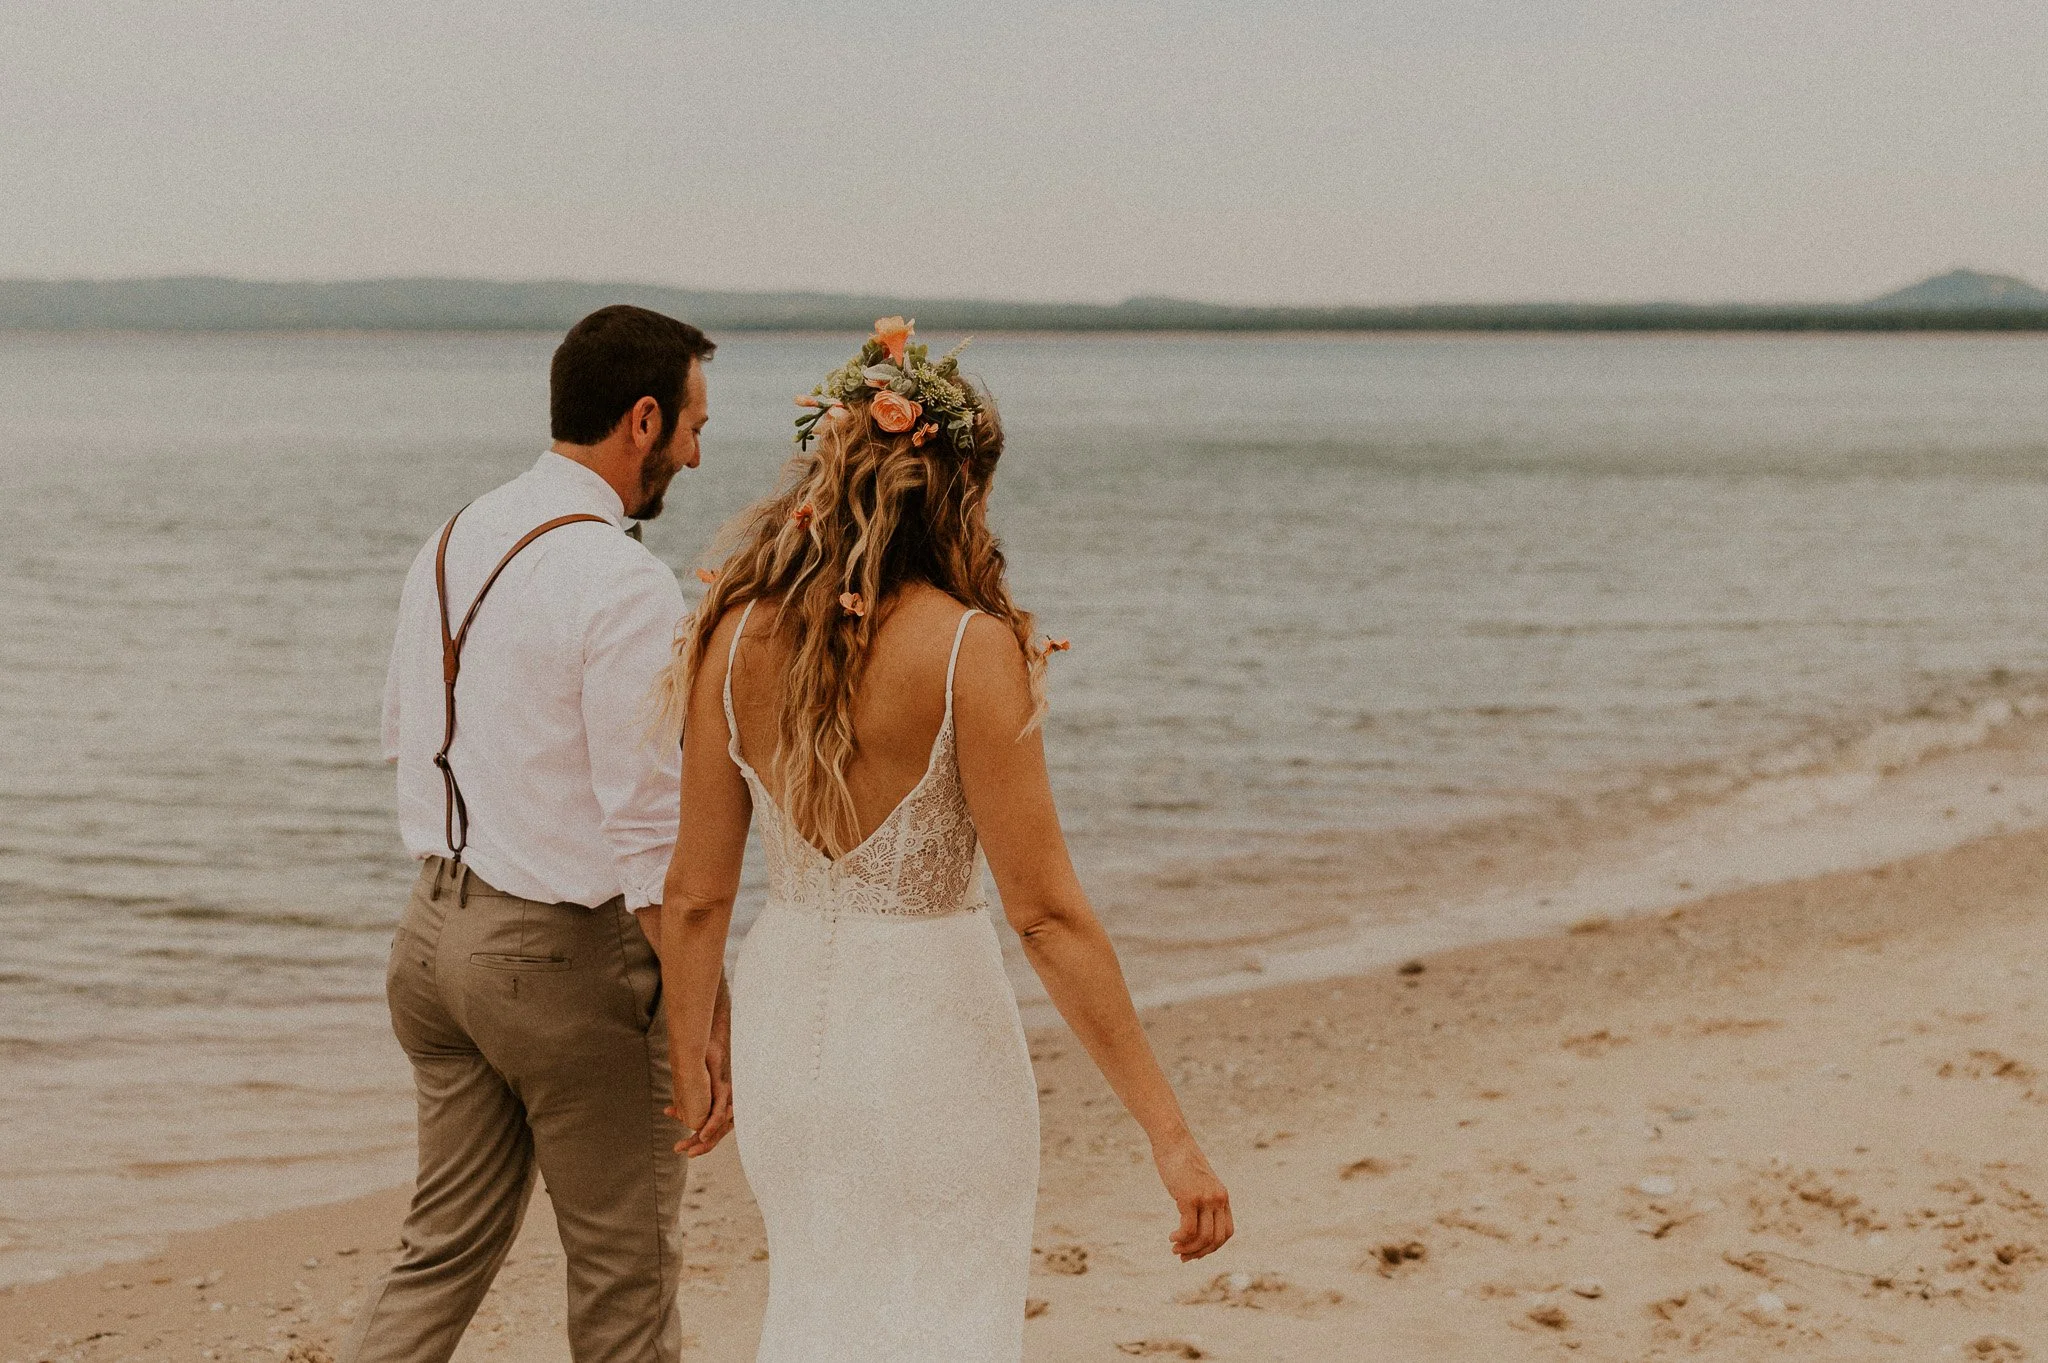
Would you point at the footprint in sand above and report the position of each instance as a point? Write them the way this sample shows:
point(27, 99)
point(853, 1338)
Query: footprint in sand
point(1394, 1256)
point(1989, 1064)
point(1170, 1348)
point(1068, 1259)
point(1260, 1291)
point(1593, 1044)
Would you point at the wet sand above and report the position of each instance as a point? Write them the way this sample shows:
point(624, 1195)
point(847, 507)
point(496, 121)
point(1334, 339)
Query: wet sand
point(1806, 1120)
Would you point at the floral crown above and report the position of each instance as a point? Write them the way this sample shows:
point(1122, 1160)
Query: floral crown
point(906, 390)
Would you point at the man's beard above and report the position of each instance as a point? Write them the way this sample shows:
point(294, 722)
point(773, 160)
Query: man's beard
point(656, 472)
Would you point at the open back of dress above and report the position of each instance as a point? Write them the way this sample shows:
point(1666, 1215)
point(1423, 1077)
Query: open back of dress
point(884, 1104)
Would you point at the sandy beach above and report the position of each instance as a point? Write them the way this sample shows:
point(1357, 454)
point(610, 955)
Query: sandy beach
point(1802, 1120)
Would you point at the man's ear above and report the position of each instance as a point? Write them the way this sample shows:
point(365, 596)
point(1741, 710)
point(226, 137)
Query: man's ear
point(646, 421)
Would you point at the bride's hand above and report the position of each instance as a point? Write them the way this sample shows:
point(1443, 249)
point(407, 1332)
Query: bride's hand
point(1203, 1200)
point(692, 1102)
point(718, 1061)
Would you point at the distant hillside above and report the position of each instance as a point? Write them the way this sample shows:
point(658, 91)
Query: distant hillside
point(205, 304)
point(1966, 289)
point(1960, 300)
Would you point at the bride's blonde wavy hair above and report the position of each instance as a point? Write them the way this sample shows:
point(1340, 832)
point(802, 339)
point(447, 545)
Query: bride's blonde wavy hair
point(866, 512)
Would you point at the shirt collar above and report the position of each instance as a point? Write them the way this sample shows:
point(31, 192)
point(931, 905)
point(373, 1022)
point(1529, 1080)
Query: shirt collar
point(603, 499)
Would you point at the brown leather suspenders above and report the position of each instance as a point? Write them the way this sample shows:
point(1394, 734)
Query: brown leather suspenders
point(457, 818)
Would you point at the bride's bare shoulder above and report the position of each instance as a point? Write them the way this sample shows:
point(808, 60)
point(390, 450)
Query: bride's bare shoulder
point(759, 624)
point(728, 625)
point(992, 680)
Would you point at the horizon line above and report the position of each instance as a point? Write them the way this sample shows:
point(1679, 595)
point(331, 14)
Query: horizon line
point(817, 294)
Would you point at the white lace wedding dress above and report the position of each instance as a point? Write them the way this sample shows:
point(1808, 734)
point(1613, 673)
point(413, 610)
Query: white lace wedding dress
point(883, 1097)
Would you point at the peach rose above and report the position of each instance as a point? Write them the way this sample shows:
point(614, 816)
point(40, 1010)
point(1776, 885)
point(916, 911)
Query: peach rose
point(895, 413)
point(894, 334)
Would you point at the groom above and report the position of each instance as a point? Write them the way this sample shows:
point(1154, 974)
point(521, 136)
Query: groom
point(523, 983)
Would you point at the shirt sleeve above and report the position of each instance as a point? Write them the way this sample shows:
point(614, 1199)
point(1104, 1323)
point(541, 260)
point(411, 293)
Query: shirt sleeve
point(636, 775)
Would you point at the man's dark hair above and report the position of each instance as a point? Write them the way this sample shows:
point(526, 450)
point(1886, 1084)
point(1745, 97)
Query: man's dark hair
point(613, 358)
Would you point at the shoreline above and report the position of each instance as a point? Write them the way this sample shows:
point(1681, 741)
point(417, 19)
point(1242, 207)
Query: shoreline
point(1745, 1125)
point(1903, 788)
point(1334, 904)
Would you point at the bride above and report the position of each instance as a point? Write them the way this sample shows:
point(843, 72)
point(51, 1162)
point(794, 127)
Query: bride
point(858, 677)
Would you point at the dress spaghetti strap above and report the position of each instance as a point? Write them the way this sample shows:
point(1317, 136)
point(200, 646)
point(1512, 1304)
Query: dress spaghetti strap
point(953, 662)
point(732, 723)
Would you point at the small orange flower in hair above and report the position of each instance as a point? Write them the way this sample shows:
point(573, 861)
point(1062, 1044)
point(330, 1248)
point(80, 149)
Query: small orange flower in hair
point(894, 335)
point(924, 433)
point(851, 603)
point(707, 576)
point(802, 516)
point(1053, 646)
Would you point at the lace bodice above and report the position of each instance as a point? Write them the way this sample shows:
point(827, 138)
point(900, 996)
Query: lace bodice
point(923, 860)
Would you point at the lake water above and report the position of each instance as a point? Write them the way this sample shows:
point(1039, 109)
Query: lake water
point(1312, 583)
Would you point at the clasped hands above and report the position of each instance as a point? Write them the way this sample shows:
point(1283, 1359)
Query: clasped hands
point(702, 1099)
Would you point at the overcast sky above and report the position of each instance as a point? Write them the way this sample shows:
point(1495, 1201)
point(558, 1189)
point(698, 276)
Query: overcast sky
point(1285, 152)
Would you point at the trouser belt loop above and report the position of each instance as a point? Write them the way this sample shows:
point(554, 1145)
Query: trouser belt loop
point(440, 868)
point(461, 884)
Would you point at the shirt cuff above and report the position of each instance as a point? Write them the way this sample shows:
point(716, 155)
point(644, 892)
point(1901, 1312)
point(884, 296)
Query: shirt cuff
point(641, 877)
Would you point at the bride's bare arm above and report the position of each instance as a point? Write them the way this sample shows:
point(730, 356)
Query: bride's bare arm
point(697, 898)
point(1010, 797)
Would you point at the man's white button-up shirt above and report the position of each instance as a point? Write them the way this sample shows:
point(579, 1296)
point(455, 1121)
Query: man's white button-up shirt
point(571, 796)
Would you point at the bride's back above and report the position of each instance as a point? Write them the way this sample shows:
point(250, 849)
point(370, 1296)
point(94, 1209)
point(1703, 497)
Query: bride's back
point(897, 710)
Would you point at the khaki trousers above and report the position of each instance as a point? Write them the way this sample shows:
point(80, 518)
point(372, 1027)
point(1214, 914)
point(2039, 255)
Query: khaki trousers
point(538, 1046)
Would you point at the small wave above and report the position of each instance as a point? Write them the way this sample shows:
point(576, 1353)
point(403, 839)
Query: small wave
point(285, 992)
point(181, 860)
point(1714, 463)
point(22, 892)
point(269, 918)
point(244, 959)
point(172, 1168)
point(1537, 629)
point(1951, 717)
point(1190, 941)
point(317, 762)
point(40, 799)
